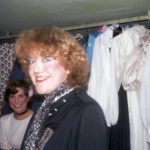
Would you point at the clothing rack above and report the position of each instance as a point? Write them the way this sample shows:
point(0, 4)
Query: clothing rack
point(116, 21)
point(96, 24)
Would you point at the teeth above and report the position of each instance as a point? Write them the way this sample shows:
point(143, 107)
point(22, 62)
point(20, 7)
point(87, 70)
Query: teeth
point(40, 78)
point(17, 106)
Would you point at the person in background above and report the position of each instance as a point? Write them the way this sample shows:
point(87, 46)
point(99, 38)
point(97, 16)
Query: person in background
point(13, 125)
point(67, 119)
point(35, 102)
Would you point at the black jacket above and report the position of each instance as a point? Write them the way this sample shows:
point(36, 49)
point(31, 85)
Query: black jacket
point(78, 124)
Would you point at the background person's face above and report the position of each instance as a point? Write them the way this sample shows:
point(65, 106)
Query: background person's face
point(18, 102)
point(46, 73)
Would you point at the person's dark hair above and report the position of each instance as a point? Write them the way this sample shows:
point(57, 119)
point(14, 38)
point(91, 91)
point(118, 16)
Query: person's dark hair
point(13, 85)
point(60, 45)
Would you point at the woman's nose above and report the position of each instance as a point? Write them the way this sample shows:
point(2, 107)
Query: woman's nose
point(17, 99)
point(38, 66)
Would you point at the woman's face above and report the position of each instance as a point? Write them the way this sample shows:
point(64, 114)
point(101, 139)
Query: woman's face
point(18, 102)
point(46, 73)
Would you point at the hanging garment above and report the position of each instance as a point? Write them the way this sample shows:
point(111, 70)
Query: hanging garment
point(17, 72)
point(132, 83)
point(91, 41)
point(120, 133)
point(144, 92)
point(90, 45)
point(100, 77)
point(7, 59)
point(122, 46)
point(122, 52)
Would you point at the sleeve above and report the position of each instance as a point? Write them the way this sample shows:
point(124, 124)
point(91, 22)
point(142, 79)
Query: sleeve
point(93, 131)
point(3, 137)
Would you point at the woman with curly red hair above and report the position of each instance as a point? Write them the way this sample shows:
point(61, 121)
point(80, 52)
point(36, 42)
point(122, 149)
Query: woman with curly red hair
point(68, 119)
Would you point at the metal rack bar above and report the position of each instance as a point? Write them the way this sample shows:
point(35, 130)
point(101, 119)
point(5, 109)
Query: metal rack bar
point(115, 21)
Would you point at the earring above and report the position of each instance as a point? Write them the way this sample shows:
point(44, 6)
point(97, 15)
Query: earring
point(67, 71)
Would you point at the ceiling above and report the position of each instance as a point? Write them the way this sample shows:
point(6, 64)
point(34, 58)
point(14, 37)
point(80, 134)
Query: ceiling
point(16, 15)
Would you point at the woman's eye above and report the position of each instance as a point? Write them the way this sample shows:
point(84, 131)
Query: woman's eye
point(30, 61)
point(12, 96)
point(47, 59)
